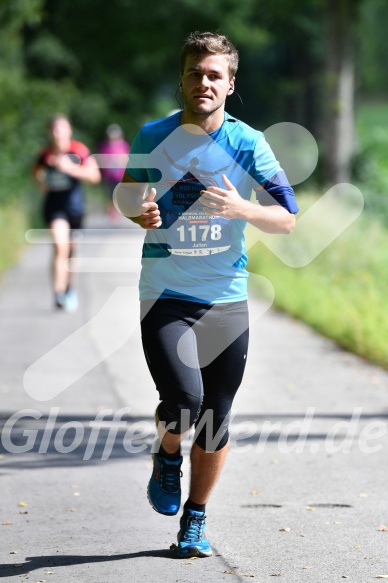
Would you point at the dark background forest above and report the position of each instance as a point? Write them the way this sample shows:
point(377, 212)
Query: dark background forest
point(313, 62)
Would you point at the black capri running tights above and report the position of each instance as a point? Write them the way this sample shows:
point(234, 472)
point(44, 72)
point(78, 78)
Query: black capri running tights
point(196, 354)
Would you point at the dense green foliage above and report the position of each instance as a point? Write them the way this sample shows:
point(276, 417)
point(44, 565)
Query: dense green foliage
point(370, 163)
point(24, 101)
point(118, 61)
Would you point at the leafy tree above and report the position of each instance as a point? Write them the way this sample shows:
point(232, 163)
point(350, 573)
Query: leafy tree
point(339, 88)
point(24, 102)
point(118, 61)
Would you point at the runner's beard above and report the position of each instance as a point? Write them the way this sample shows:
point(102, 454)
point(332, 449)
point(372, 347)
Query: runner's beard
point(197, 110)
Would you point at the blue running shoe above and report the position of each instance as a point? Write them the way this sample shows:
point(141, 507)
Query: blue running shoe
point(71, 303)
point(164, 487)
point(60, 301)
point(192, 541)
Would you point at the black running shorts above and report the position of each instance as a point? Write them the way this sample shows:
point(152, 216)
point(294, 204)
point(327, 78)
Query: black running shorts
point(50, 214)
point(196, 354)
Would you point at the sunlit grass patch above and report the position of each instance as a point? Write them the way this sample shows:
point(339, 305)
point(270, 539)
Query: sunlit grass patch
point(13, 225)
point(343, 292)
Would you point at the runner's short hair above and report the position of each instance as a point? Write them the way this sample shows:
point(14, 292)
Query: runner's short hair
point(198, 44)
point(55, 117)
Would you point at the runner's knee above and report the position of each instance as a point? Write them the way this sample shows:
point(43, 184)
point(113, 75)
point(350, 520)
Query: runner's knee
point(178, 417)
point(212, 430)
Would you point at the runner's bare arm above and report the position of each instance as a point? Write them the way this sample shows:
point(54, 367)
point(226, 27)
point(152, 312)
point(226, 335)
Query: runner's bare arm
point(135, 203)
point(87, 172)
point(39, 175)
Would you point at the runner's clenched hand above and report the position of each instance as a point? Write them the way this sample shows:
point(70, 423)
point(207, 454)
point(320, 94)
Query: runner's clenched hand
point(224, 202)
point(150, 217)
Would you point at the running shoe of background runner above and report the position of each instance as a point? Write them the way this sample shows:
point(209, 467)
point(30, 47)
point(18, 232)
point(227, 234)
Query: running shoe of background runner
point(60, 301)
point(71, 302)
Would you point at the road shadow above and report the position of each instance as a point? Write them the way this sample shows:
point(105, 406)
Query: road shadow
point(69, 440)
point(51, 561)
point(57, 440)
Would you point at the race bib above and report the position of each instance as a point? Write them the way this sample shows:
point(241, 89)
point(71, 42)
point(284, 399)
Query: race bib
point(194, 233)
point(58, 181)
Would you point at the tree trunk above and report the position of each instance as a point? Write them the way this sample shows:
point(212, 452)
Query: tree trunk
point(339, 84)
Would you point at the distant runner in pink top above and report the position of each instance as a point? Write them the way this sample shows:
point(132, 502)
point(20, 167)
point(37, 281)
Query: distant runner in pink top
point(114, 146)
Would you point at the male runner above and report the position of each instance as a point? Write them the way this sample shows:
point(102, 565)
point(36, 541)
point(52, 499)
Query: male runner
point(202, 165)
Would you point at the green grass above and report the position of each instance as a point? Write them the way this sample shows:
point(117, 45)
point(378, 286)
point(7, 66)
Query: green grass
point(343, 292)
point(13, 225)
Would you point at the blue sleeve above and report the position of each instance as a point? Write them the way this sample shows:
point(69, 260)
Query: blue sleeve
point(268, 173)
point(265, 163)
point(278, 190)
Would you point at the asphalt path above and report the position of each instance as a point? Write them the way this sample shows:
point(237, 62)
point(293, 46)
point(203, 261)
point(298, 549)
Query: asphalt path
point(303, 495)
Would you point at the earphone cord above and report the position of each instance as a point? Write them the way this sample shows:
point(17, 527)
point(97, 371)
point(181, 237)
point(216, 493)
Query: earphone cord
point(176, 98)
point(240, 98)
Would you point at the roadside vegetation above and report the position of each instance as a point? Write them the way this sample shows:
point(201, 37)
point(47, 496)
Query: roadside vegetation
point(342, 293)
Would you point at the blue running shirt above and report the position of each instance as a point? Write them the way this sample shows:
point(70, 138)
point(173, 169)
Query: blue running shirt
point(194, 256)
